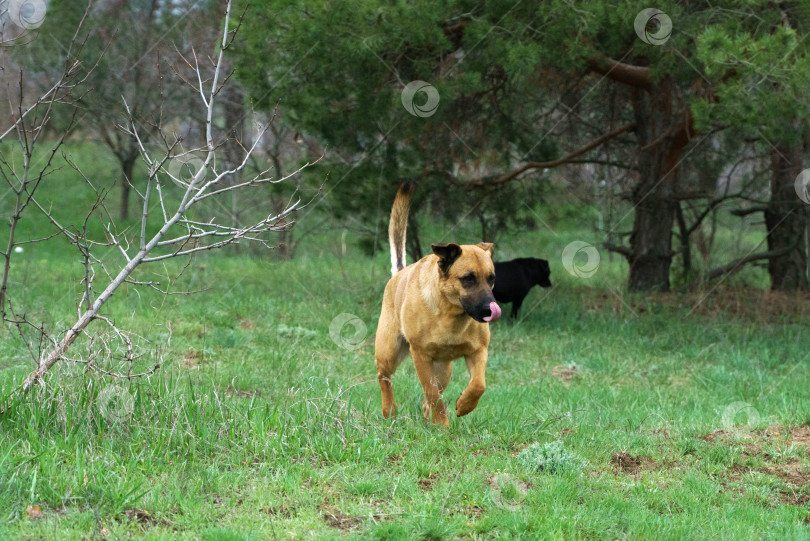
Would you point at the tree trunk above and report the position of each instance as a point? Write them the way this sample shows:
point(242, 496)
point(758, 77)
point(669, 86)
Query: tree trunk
point(661, 140)
point(686, 245)
point(127, 169)
point(786, 220)
point(651, 245)
point(286, 239)
point(233, 100)
point(285, 236)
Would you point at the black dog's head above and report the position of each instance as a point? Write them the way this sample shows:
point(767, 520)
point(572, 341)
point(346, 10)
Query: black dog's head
point(541, 272)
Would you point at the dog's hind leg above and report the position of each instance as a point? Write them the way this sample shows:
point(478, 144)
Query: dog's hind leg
point(477, 366)
point(388, 357)
point(433, 383)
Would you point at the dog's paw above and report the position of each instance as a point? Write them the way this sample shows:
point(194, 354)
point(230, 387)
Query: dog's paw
point(464, 407)
point(458, 410)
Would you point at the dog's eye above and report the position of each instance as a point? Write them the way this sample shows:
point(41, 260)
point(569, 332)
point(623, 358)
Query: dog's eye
point(491, 280)
point(467, 280)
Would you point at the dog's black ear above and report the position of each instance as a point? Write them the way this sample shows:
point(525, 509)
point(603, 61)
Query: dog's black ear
point(487, 247)
point(447, 253)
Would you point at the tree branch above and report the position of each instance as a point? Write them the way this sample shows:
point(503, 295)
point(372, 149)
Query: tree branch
point(553, 163)
point(735, 266)
point(637, 76)
point(750, 210)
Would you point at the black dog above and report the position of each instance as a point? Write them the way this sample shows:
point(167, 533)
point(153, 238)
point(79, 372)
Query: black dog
point(514, 279)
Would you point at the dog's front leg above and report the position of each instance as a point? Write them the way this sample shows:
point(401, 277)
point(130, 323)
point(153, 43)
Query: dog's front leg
point(432, 407)
point(476, 366)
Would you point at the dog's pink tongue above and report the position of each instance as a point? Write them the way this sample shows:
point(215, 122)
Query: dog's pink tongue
point(496, 312)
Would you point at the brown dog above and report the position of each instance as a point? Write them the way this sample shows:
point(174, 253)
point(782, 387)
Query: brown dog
point(439, 309)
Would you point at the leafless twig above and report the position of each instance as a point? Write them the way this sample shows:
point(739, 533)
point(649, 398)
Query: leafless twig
point(179, 234)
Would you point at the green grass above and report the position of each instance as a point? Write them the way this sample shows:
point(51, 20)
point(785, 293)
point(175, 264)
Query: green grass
point(259, 426)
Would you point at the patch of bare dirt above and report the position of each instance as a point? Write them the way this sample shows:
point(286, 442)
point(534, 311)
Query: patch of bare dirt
point(748, 304)
point(753, 441)
point(246, 324)
point(741, 303)
point(143, 517)
point(427, 482)
point(241, 393)
point(796, 477)
point(724, 435)
point(281, 511)
point(337, 519)
point(799, 435)
point(191, 360)
point(615, 303)
point(756, 444)
point(792, 472)
point(632, 465)
point(34, 512)
point(566, 373)
point(394, 459)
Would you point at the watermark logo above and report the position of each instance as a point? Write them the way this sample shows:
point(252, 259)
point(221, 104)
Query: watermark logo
point(409, 94)
point(802, 186)
point(116, 403)
point(26, 14)
point(739, 409)
point(183, 169)
point(355, 338)
point(656, 18)
point(507, 491)
point(581, 270)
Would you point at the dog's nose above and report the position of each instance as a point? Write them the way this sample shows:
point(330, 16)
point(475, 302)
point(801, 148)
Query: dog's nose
point(494, 312)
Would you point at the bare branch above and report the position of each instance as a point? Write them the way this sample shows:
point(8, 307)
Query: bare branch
point(737, 265)
point(553, 163)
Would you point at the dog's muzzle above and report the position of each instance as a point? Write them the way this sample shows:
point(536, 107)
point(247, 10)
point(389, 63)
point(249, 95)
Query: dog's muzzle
point(494, 312)
point(483, 310)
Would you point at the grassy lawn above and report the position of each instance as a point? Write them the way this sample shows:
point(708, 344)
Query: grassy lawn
point(689, 414)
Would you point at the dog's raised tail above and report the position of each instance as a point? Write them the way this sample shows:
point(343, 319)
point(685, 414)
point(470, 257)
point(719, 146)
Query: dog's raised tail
point(398, 226)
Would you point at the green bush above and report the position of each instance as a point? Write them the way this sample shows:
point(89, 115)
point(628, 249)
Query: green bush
point(550, 457)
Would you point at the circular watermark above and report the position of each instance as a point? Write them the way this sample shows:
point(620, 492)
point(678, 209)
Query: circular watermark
point(581, 270)
point(507, 491)
point(26, 14)
point(183, 169)
point(729, 417)
point(656, 17)
point(116, 403)
point(352, 341)
point(409, 94)
point(802, 186)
